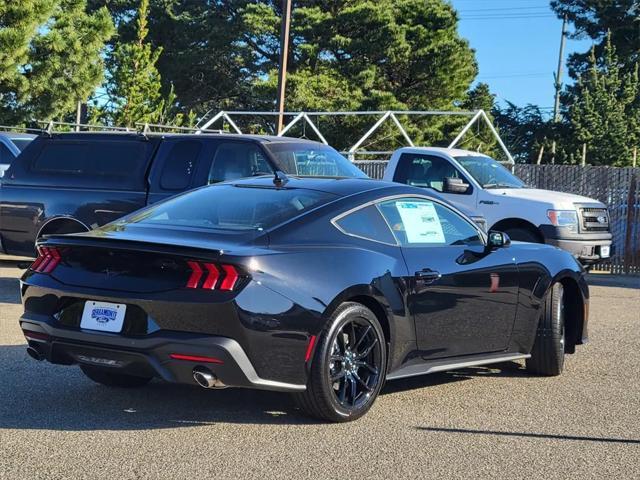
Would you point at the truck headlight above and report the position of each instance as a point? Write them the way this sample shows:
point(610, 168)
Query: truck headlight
point(564, 218)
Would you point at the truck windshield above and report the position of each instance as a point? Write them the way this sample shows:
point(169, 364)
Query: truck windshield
point(310, 160)
point(489, 173)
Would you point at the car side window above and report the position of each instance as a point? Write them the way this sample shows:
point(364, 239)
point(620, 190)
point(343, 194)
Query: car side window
point(234, 160)
point(424, 171)
point(179, 165)
point(366, 223)
point(421, 222)
point(5, 154)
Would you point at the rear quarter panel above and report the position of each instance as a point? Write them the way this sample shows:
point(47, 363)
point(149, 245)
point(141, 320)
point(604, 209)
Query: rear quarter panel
point(539, 267)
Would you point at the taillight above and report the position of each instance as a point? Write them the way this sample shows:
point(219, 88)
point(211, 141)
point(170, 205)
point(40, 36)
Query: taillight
point(48, 259)
point(216, 276)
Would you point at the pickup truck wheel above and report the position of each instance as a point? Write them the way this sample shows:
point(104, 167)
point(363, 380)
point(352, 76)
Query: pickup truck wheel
point(113, 379)
point(522, 235)
point(348, 368)
point(547, 355)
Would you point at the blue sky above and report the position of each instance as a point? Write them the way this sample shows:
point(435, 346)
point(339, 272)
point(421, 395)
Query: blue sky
point(516, 44)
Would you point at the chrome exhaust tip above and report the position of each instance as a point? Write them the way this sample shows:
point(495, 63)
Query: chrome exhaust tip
point(35, 354)
point(206, 379)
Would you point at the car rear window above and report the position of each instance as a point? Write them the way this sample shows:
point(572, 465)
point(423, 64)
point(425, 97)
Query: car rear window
point(95, 163)
point(231, 207)
point(311, 160)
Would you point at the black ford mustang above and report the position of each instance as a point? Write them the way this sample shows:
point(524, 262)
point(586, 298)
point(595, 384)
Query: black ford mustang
point(321, 287)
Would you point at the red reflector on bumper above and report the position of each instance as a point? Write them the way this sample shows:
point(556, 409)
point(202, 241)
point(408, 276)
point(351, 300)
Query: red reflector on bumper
point(31, 335)
point(312, 342)
point(195, 358)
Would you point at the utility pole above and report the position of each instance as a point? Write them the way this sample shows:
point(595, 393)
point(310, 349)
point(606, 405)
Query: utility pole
point(558, 84)
point(284, 54)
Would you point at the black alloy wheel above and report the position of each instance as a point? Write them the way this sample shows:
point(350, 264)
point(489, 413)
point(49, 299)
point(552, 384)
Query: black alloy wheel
point(348, 368)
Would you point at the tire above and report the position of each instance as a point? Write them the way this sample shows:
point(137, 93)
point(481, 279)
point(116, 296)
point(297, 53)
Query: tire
point(522, 235)
point(113, 379)
point(348, 368)
point(547, 355)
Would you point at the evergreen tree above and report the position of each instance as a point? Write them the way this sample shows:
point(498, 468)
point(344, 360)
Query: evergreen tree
point(605, 110)
point(50, 57)
point(134, 86)
point(344, 55)
point(598, 20)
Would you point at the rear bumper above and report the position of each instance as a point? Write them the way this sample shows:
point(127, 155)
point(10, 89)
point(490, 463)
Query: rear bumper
point(586, 247)
point(149, 355)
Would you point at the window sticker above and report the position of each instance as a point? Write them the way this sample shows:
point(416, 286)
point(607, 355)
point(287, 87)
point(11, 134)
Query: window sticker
point(421, 222)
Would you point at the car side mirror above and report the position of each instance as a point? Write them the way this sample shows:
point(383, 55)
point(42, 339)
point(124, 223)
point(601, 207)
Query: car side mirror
point(498, 239)
point(455, 185)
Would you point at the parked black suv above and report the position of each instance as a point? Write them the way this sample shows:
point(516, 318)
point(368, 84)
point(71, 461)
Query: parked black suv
point(73, 182)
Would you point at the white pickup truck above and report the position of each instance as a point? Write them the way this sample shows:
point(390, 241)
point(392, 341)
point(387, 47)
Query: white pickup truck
point(577, 224)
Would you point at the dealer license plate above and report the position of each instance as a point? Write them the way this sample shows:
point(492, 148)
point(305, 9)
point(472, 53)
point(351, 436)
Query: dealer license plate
point(103, 316)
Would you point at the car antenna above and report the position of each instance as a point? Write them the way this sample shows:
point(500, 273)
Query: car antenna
point(280, 179)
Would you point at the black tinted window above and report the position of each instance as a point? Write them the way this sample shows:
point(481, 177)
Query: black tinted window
point(420, 222)
point(424, 171)
point(366, 223)
point(179, 165)
point(231, 207)
point(104, 164)
point(22, 142)
point(6, 156)
point(235, 160)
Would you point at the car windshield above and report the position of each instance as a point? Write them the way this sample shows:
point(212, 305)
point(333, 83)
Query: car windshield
point(489, 173)
point(309, 160)
point(231, 207)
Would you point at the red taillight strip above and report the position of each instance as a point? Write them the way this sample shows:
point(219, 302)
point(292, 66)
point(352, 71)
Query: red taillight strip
point(217, 276)
point(31, 335)
point(53, 261)
point(212, 277)
point(312, 342)
point(230, 279)
point(196, 274)
point(48, 259)
point(195, 358)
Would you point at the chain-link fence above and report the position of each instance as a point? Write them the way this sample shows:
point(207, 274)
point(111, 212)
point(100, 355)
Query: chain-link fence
point(618, 188)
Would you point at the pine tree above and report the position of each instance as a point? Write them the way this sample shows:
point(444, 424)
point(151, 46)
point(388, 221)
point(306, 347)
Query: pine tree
point(50, 57)
point(135, 87)
point(605, 110)
point(617, 22)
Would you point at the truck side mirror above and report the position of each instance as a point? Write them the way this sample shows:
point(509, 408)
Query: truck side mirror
point(498, 239)
point(455, 185)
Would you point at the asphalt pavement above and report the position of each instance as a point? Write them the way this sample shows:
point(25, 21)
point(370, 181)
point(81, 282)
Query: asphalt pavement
point(494, 422)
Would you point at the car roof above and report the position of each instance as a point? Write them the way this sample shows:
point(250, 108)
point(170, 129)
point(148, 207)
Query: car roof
point(338, 186)
point(160, 135)
point(454, 152)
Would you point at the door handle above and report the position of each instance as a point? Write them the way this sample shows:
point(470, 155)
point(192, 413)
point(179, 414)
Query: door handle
point(426, 275)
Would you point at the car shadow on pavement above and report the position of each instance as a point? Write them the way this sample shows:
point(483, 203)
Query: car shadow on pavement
point(38, 395)
point(530, 435)
point(9, 290)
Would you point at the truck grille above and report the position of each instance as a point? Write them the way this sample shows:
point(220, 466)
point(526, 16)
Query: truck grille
point(594, 219)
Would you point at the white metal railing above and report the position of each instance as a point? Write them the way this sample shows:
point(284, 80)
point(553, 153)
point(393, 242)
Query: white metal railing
point(477, 116)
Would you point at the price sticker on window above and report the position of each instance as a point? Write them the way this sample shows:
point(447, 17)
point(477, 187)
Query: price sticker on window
point(421, 222)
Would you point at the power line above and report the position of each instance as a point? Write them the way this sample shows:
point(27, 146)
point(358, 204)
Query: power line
point(512, 75)
point(506, 17)
point(464, 10)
